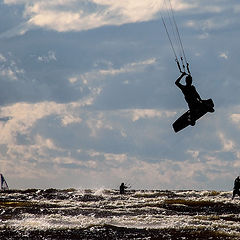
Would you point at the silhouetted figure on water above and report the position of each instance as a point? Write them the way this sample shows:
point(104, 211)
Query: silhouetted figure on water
point(122, 188)
point(236, 187)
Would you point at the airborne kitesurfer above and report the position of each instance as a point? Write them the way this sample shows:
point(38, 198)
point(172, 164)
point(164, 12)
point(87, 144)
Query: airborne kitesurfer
point(191, 95)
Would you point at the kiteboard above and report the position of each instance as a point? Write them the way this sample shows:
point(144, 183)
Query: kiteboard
point(185, 120)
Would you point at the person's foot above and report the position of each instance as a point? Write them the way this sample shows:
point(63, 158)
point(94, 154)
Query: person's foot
point(192, 122)
point(211, 110)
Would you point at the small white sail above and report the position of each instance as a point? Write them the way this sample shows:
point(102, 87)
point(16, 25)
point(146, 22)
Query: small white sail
point(4, 185)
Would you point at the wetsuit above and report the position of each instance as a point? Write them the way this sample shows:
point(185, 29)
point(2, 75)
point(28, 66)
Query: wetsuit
point(192, 97)
point(122, 188)
point(236, 187)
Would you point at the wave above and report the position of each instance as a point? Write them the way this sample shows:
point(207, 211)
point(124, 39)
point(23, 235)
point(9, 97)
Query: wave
point(97, 211)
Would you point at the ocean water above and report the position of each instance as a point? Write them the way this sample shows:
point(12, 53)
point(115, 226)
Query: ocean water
point(105, 214)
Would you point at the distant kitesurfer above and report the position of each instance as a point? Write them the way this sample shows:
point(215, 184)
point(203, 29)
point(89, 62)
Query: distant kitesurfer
point(190, 93)
point(3, 185)
point(122, 188)
point(236, 187)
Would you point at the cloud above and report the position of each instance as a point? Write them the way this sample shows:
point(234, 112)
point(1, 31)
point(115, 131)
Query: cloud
point(194, 153)
point(68, 139)
point(119, 158)
point(51, 56)
point(210, 24)
point(70, 119)
point(9, 68)
point(150, 113)
point(228, 145)
point(2, 58)
point(105, 13)
point(128, 80)
point(235, 117)
point(237, 8)
point(73, 15)
point(65, 15)
point(20, 29)
point(23, 117)
point(96, 107)
point(224, 55)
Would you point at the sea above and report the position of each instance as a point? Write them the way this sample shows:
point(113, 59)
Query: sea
point(106, 214)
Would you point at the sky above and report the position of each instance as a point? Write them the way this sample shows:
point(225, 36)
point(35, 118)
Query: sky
point(87, 94)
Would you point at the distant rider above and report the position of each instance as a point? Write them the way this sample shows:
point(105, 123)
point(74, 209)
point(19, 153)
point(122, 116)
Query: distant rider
point(122, 188)
point(191, 95)
point(236, 187)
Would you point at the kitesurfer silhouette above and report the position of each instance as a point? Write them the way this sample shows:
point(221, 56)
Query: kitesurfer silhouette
point(122, 188)
point(191, 95)
point(236, 187)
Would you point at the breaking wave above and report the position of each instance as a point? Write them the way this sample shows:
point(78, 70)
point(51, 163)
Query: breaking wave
point(104, 213)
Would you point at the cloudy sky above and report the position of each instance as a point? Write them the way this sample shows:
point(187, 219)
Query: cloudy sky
point(88, 98)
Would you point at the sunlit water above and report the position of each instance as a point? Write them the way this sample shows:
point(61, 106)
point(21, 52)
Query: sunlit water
point(105, 214)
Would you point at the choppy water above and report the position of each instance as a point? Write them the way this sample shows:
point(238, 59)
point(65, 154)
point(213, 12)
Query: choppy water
point(105, 214)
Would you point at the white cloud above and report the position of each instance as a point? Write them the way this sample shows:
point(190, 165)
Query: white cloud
point(115, 157)
point(169, 174)
point(9, 73)
point(204, 35)
point(97, 122)
point(23, 117)
point(28, 157)
point(72, 15)
point(2, 58)
point(131, 67)
point(9, 69)
point(149, 113)
point(235, 117)
point(70, 119)
point(228, 145)
point(51, 56)
point(44, 142)
point(15, 1)
point(164, 173)
point(100, 74)
point(224, 55)
point(194, 153)
point(72, 80)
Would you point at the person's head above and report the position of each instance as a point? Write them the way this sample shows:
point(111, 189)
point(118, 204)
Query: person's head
point(188, 80)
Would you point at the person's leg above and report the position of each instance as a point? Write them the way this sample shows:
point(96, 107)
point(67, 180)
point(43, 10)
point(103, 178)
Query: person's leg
point(238, 192)
point(234, 193)
point(192, 119)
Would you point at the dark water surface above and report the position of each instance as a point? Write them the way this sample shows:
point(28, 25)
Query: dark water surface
point(105, 214)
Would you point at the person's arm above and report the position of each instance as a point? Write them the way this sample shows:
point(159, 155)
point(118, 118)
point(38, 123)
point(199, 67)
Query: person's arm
point(177, 82)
